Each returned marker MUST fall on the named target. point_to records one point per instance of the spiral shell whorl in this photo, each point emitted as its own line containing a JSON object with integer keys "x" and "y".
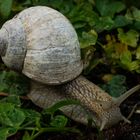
{"x": 15, "y": 50}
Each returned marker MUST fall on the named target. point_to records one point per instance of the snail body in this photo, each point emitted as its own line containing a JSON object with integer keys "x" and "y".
{"x": 96, "y": 104}
{"x": 42, "y": 44}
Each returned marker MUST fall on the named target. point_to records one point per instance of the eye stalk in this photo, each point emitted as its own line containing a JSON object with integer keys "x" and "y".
{"x": 110, "y": 113}
{"x": 124, "y": 96}
{"x": 113, "y": 115}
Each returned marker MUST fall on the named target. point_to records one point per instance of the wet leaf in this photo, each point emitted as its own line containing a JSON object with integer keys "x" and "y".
{"x": 88, "y": 39}
{"x": 138, "y": 53}
{"x": 137, "y": 25}
{"x": 59, "y": 121}
{"x": 14, "y": 99}
{"x": 26, "y": 136}
{"x": 121, "y": 21}
{"x": 11, "y": 116}
{"x": 31, "y": 115}
{"x": 4, "y": 132}
{"x": 116, "y": 86}
{"x": 126, "y": 57}
{"x": 129, "y": 38}
{"x": 134, "y": 65}
{"x": 5, "y": 8}
{"x": 14, "y": 83}
{"x": 136, "y": 13}
{"x": 104, "y": 23}
{"x": 109, "y": 8}
{"x": 60, "y": 104}
{"x": 127, "y": 63}
{"x": 91, "y": 65}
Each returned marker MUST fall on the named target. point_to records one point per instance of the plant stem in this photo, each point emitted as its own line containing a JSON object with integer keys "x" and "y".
{"x": 124, "y": 96}
{"x": 52, "y": 129}
{"x": 21, "y": 97}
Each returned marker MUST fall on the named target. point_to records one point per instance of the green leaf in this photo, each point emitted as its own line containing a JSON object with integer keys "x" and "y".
{"x": 115, "y": 87}
{"x": 11, "y": 116}
{"x": 109, "y": 8}
{"x": 138, "y": 53}
{"x": 127, "y": 63}
{"x": 5, "y": 8}
{"x": 134, "y": 65}
{"x": 4, "y": 87}
{"x": 12, "y": 99}
{"x": 31, "y": 115}
{"x": 54, "y": 3}
{"x": 138, "y": 70}
{"x": 26, "y": 136}
{"x": 59, "y": 121}
{"x": 88, "y": 39}
{"x": 78, "y": 25}
{"x": 92, "y": 65}
{"x": 121, "y": 21}
{"x": 12, "y": 82}
{"x": 82, "y": 14}
{"x": 117, "y": 79}
{"x": 58, "y": 105}
{"x": 4, "y": 132}
{"x": 136, "y": 25}
{"x": 104, "y": 23}
{"x": 129, "y": 38}
{"x": 129, "y": 15}
{"x": 126, "y": 57}
{"x": 117, "y": 90}
{"x": 136, "y": 13}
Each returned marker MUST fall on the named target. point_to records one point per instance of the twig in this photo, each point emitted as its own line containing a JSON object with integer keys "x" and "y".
{"x": 132, "y": 111}
{"x": 21, "y": 97}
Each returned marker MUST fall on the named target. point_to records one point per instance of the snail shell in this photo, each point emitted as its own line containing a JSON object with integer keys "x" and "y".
{"x": 40, "y": 47}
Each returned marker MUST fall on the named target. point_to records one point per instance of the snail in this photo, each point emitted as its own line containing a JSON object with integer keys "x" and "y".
{"x": 42, "y": 44}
